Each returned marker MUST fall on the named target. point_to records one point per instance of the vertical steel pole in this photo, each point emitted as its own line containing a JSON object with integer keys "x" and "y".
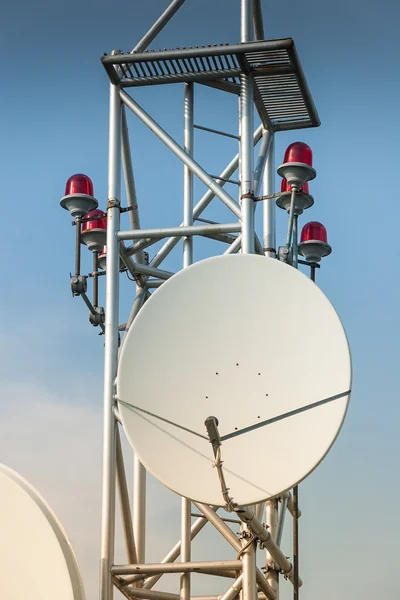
{"x": 188, "y": 175}
{"x": 295, "y": 249}
{"x": 111, "y": 346}
{"x": 185, "y": 546}
{"x": 271, "y": 518}
{"x": 139, "y": 508}
{"x": 296, "y": 543}
{"x": 78, "y": 225}
{"x": 95, "y": 278}
{"x": 246, "y": 118}
{"x": 249, "y": 588}
{"x": 269, "y": 206}
{"x": 188, "y": 121}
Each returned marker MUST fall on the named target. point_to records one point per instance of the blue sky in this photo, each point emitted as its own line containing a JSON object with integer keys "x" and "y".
{"x": 54, "y": 122}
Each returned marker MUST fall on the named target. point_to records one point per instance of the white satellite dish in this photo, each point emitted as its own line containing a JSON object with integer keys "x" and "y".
{"x": 246, "y": 339}
{"x": 36, "y": 558}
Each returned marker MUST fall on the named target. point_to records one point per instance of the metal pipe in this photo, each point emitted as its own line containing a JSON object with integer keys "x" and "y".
{"x": 218, "y": 523}
{"x": 291, "y": 217}
{"x": 235, "y": 246}
{"x": 312, "y": 273}
{"x": 290, "y": 504}
{"x": 141, "y": 245}
{"x": 261, "y": 596}
{"x": 233, "y": 181}
{"x": 248, "y": 517}
{"x": 139, "y": 508}
{"x": 188, "y": 144}
{"x": 124, "y": 502}
{"x": 183, "y": 231}
{"x": 203, "y": 203}
{"x": 183, "y": 567}
{"x": 234, "y": 590}
{"x": 281, "y": 522}
{"x": 135, "y": 268}
{"x": 249, "y": 588}
{"x": 230, "y": 537}
{"x": 142, "y": 593}
{"x": 246, "y": 119}
{"x": 258, "y": 20}
{"x": 259, "y": 511}
{"x": 111, "y": 348}
{"x": 185, "y": 547}
{"x": 269, "y": 206}
{"x": 263, "y": 154}
{"x": 154, "y": 283}
{"x": 295, "y": 248}
{"x": 157, "y": 26}
{"x": 95, "y": 279}
{"x": 226, "y": 573}
{"x": 225, "y": 520}
{"x": 78, "y": 225}
{"x": 141, "y": 295}
{"x": 271, "y": 519}
{"x": 131, "y": 197}
{"x": 296, "y": 543}
{"x": 91, "y": 308}
{"x": 223, "y": 50}
{"x": 173, "y": 554}
{"x": 180, "y": 153}
{"x": 217, "y": 131}
{"x": 264, "y": 586}
{"x": 225, "y": 238}
{"x": 188, "y": 175}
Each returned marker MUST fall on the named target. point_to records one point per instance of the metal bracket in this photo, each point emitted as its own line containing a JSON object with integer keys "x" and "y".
{"x": 285, "y": 255}
{"x": 78, "y": 284}
{"x": 97, "y": 317}
{"x": 113, "y": 203}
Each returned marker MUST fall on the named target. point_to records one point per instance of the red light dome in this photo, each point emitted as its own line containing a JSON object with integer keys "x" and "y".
{"x": 314, "y": 242}
{"x": 297, "y": 165}
{"x": 79, "y": 184}
{"x": 314, "y": 231}
{"x": 298, "y": 152}
{"x": 78, "y": 199}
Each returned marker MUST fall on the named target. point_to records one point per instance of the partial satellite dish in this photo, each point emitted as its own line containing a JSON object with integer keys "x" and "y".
{"x": 252, "y": 342}
{"x": 36, "y": 558}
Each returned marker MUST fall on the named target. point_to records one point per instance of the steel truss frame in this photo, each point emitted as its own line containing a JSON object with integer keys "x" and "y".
{"x": 136, "y": 578}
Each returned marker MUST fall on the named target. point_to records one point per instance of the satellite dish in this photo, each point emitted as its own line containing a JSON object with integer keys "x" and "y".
{"x": 252, "y": 342}
{"x": 36, "y": 558}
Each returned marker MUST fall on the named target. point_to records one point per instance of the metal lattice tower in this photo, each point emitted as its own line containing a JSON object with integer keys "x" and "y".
{"x": 267, "y": 75}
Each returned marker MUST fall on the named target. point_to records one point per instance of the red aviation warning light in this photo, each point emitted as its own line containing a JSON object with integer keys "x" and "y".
{"x": 79, "y": 197}
{"x": 299, "y": 152}
{"x": 79, "y": 184}
{"x": 94, "y": 230}
{"x": 297, "y": 166}
{"x": 303, "y": 199}
{"x": 314, "y": 242}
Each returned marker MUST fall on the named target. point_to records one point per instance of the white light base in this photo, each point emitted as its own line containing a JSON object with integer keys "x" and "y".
{"x": 314, "y": 250}
{"x": 302, "y": 202}
{"x": 296, "y": 173}
{"x": 78, "y": 204}
{"x": 94, "y": 239}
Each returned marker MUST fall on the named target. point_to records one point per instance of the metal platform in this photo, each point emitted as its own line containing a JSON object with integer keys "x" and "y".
{"x": 281, "y": 93}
